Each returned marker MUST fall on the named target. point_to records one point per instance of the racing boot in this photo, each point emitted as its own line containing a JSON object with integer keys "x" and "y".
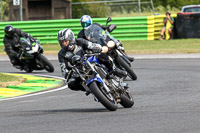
{"x": 120, "y": 73}
{"x": 18, "y": 67}
{"x": 131, "y": 59}
{"x": 110, "y": 76}
{"x": 28, "y": 69}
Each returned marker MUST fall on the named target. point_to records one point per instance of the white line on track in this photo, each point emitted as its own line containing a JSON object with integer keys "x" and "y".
{"x": 39, "y": 93}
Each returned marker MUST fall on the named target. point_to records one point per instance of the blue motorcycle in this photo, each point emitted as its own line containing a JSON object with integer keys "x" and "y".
{"x": 93, "y": 75}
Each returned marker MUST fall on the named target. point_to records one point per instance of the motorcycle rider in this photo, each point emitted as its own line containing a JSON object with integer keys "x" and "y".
{"x": 11, "y": 43}
{"x": 86, "y": 21}
{"x": 70, "y": 47}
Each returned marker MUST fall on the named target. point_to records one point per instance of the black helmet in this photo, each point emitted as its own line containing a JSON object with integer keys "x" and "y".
{"x": 9, "y": 30}
{"x": 66, "y": 34}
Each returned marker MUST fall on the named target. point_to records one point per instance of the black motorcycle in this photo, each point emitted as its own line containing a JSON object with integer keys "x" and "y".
{"x": 31, "y": 56}
{"x": 93, "y": 76}
{"x": 96, "y": 34}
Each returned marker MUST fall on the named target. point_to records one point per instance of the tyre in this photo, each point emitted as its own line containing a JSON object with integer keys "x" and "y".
{"x": 130, "y": 72}
{"x": 105, "y": 99}
{"x": 47, "y": 65}
{"x": 126, "y": 100}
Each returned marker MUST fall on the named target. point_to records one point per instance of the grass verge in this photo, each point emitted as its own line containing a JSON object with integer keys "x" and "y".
{"x": 163, "y": 47}
{"x": 6, "y": 80}
{"x": 144, "y": 46}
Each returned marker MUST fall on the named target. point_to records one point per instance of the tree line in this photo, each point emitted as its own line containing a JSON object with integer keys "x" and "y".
{"x": 175, "y": 3}
{"x": 99, "y": 10}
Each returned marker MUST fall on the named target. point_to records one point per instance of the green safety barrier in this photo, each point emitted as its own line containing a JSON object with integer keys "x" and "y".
{"x": 128, "y": 28}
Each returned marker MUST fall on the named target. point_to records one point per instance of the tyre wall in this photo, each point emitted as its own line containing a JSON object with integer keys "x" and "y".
{"x": 188, "y": 25}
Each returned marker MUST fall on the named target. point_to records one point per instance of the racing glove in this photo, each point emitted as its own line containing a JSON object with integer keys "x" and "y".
{"x": 95, "y": 47}
{"x": 30, "y": 37}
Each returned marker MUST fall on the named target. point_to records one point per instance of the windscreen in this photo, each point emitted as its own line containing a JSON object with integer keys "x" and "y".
{"x": 24, "y": 42}
{"x": 94, "y": 34}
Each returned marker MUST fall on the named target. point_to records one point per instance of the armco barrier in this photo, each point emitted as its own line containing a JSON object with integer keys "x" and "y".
{"x": 128, "y": 28}
{"x": 188, "y": 25}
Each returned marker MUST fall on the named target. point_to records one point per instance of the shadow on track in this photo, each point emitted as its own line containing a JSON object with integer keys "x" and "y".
{"x": 73, "y": 110}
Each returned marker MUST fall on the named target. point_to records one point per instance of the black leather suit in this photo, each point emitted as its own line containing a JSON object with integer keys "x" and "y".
{"x": 64, "y": 58}
{"x": 103, "y": 58}
{"x": 12, "y": 45}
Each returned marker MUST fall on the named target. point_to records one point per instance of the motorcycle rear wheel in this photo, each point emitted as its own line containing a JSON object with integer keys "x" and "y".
{"x": 106, "y": 100}
{"x": 126, "y": 100}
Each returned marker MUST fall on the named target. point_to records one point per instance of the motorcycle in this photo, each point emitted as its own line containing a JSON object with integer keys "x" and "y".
{"x": 96, "y": 34}
{"x": 93, "y": 75}
{"x": 31, "y": 56}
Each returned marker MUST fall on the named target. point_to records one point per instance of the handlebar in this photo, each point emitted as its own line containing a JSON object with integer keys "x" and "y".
{"x": 91, "y": 54}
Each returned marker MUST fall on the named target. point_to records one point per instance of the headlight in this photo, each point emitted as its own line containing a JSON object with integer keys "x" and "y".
{"x": 28, "y": 48}
{"x": 111, "y": 44}
{"x": 35, "y": 48}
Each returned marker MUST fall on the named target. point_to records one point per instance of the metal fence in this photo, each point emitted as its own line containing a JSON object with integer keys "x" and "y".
{"x": 119, "y": 4}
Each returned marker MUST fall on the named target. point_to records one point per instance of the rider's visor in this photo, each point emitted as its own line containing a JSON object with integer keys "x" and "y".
{"x": 85, "y": 24}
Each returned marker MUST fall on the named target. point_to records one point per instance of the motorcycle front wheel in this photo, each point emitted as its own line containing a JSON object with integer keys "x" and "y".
{"x": 130, "y": 72}
{"x": 106, "y": 99}
{"x": 47, "y": 65}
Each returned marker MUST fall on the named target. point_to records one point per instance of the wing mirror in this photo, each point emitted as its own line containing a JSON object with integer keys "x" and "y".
{"x": 108, "y": 20}
{"x": 111, "y": 27}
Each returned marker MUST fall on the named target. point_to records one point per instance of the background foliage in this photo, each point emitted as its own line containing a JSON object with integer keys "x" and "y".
{"x": 175, "y": 3}
{"x": 126, "y": 10}
{"x": 4, "y": 10}
{"x": 95, "y": 10}
{"x": 123, "y": 10}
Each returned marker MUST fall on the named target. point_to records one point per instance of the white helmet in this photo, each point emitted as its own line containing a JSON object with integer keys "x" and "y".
{"x": 86, "y": 21}
{"x": 66, "y": 34}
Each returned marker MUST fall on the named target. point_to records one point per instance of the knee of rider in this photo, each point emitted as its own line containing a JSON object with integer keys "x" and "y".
{"x": 75, "y": 87}
{"x": 14, "y": 62}
{"x": 71, "y": 81}
{"x": 71, "y": 84}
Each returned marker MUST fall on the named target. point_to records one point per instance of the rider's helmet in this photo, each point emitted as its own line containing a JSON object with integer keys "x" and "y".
{"x": 66, "y": 34}
{"x": 9, "y": 30}
{"x": 86, "y": 21}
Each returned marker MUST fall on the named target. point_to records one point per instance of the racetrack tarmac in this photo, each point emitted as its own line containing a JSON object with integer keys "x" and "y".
{"x": 166, "y": 94}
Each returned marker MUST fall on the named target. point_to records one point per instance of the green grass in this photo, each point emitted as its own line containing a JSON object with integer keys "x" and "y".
{"x": 6, "y": 78}
{"x": 144, "y": 46}
{"x": 164, "y": 46}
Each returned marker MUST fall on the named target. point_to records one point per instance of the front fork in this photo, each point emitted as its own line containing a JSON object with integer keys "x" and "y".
{"x": 124, "y": 57}
{"x": 98, "y": 78}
